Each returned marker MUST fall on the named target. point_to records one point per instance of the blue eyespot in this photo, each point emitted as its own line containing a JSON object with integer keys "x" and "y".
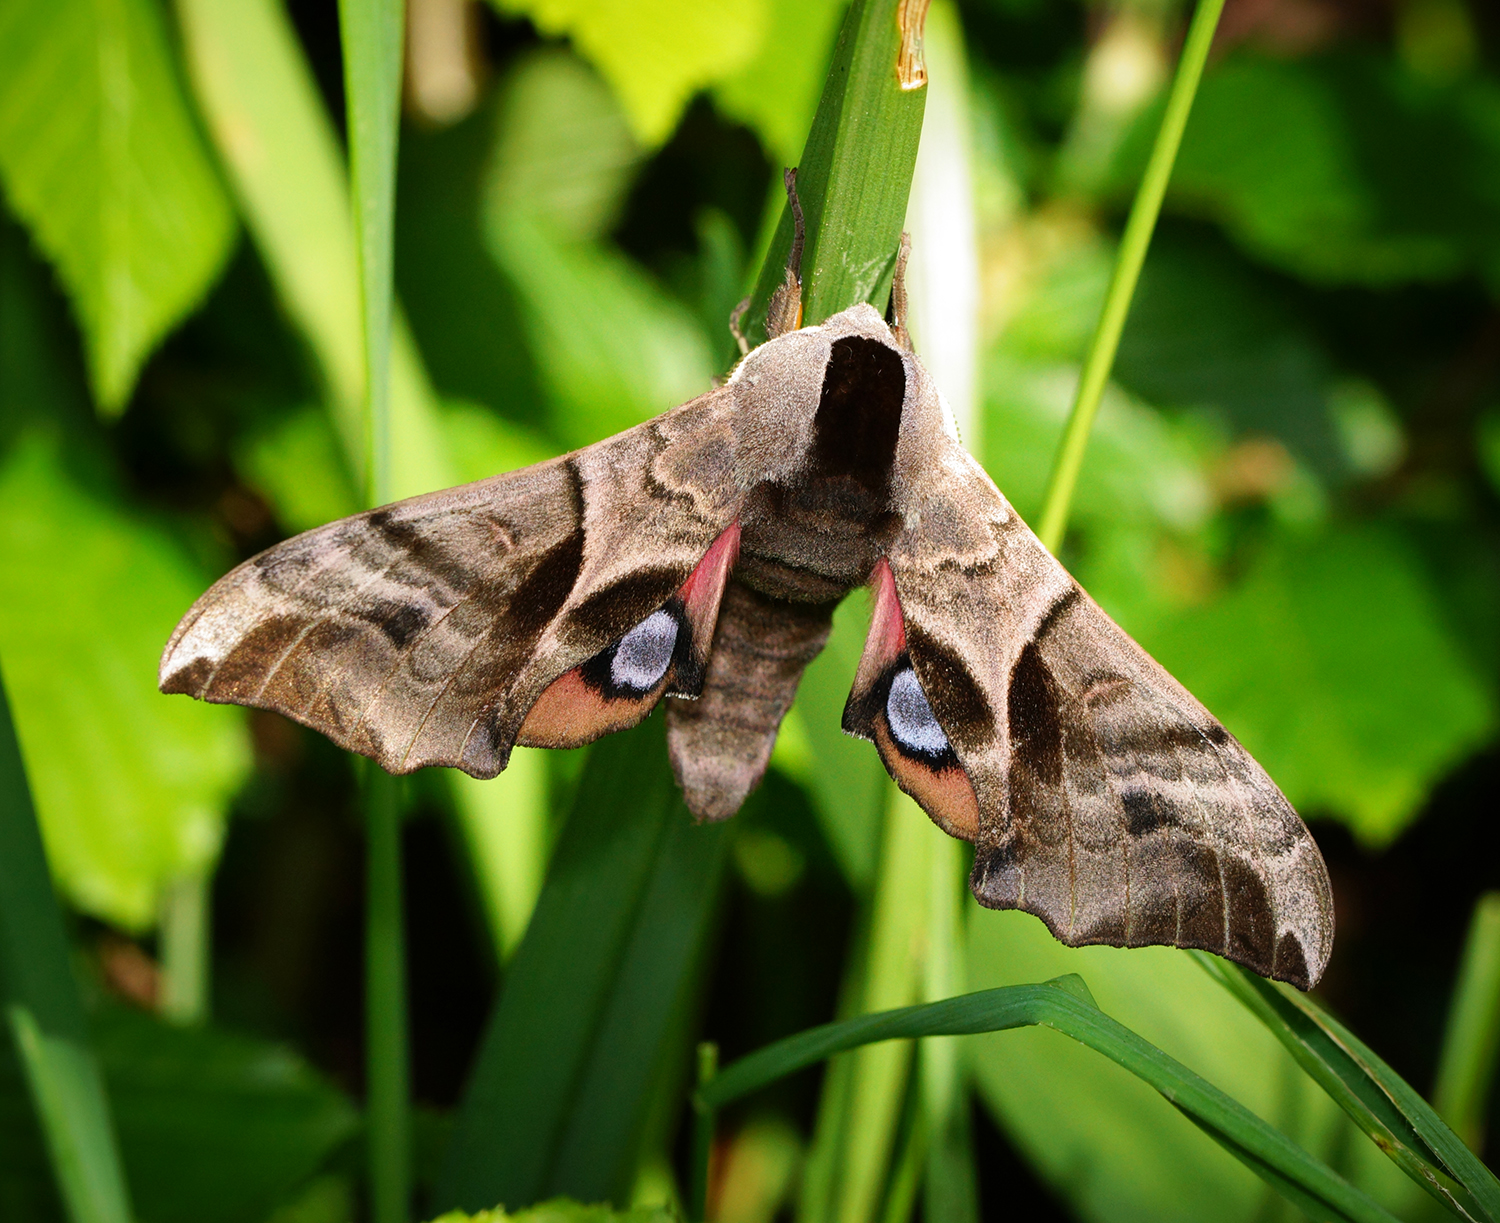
{"x": 645, "y": 653}
{"x": 911, "y": 719}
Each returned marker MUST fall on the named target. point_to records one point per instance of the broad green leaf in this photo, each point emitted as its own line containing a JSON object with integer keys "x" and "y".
{"x": 775, "y": 91}
{"x": 655, "y": 54}
{"x": 1343, "y": 169}
{"x": 558, "y": 1096}
{"x": 562, "y": 1210}
{"x": 1342, "y": 679}
{"x": 88, "y": 596}
{"x": 44, "y": 1031}
{"x": 214, "y": 1127}
{"x": 281, "y": 154}
{"x": 100, "y": 157}
{"x": 612, "y": 349}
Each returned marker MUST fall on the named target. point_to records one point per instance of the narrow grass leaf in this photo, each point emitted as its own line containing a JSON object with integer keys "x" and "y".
{"x": 1064, "y": 1005}
{"x": 261, "y": 105}
{"x": 43, "y": 1011}
{"x": 1466, "y": 1066}
{"x": 855, "y": 172}
{"x": 1137, "y": 237}
{"x": 1381, "y": 1103}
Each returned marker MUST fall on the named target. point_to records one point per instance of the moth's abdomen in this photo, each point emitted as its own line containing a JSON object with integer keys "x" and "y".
{"x": 720, "y": 743}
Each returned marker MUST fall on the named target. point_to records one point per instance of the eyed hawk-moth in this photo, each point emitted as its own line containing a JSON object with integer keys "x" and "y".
{"x": 696, "y": 559}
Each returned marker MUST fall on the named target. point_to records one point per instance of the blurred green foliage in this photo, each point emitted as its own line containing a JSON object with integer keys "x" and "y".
{"x": 1290, "y": 498}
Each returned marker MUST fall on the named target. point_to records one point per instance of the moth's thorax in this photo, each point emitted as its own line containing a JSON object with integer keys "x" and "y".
{"x": 812, "y": 533}
{"x": 810, "y": 543}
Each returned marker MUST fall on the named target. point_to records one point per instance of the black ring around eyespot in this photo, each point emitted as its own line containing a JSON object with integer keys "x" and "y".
{"x": 598, "y": 671}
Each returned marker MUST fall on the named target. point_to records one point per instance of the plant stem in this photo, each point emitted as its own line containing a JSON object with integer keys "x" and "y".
{"x": 704, "y": 1119}
{"x": 387, "y": 1091}
{"x": 371, "y": 32}
{"x": 185, "y": 946}
{"x": 1133, "y": 244}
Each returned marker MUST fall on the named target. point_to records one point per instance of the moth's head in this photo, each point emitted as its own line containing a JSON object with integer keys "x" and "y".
{"x": 843, "y": 390}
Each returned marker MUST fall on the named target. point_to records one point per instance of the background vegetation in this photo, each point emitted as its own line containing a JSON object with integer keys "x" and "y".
{"x": 1290, "y": 499}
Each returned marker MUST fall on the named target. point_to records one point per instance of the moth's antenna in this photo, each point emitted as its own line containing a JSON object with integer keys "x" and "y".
{"x": 895, "y": 314}
{"x": 735, "y": 316}
{"x": 785, "y": 311}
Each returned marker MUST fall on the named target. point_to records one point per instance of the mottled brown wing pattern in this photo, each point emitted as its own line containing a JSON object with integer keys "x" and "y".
{"x": 423, "y": 633}
{"x": 1111, "y": 804}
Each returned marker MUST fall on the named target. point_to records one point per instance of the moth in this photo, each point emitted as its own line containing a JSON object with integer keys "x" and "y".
{"x": 696, "y": 561}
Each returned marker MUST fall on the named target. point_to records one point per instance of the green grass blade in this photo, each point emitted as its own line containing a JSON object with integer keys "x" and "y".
{"x": 44, "y": 1013}
{"x": 1466, "y": 1067}
{"x": 281, "y": 154}
{"x": 1065, "y": 1005}
{"x": 854, "y": 175}
{"x": 371, "y": 34}
{"x": 564, "y": 1077}
{"x": 1380, "y": 1102}
{"x": 1137, "y": 237}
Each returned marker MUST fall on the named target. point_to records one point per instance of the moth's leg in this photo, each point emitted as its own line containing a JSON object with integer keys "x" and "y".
{"x": 895, "y": 314}
{"x": 785, "y": 311}
{"x": 721, "y": 742}
{"x": 735, "y": 316}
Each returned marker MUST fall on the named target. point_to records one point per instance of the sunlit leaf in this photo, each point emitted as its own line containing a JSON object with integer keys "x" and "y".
{"x": 654, "y": 53}
{"x": 130, "y": 788}
{"x": 57, "y": 1106}
{"x": 100, "y": 157}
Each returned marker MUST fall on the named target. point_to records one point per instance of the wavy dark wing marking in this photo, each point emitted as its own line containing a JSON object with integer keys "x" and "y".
{"x": 1111, "y": 804}
{"x": 422, "y": 633}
